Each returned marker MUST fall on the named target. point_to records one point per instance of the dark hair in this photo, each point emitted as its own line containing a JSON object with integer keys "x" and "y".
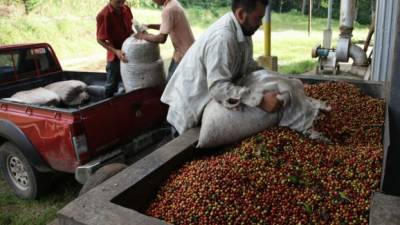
{"x": 247, "y": 5}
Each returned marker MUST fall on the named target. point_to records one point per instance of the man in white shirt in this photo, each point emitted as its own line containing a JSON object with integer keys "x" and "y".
{"x": 221, "y": 56}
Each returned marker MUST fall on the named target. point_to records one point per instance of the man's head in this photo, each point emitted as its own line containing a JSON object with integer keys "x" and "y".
{"x": 117, "y": 4}
{"x": 249, "y": 14}
{"x": 159, "y": 2}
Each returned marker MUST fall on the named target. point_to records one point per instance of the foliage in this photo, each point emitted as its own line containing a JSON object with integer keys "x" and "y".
{"x": 70, "y": 26}
{"x": 320, "y": 8}
{"x": 142, "y": 3}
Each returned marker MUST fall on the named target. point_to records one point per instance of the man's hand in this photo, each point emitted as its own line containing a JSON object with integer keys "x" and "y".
{"x": 140, "y": 36}
{"x": 270, "y": 102}
{"x": 121, "y": 56}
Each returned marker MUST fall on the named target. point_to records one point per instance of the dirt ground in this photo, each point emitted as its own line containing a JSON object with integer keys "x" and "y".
{"x": 94, "y": 63}
{"x": 91, "y": 63}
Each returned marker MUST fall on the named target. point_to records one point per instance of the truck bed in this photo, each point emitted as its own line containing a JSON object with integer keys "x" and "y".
{"x": 105, "y": 122}
{"x": 95, "y": 82}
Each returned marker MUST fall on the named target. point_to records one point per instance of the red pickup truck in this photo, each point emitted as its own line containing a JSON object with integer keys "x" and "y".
{"x": 37, "y": 140}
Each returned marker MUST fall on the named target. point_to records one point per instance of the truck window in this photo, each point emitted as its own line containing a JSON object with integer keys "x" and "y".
{"x": 7, "y": 72}
{"x": 25, "y": 64}
{"x": 45, "y": 60}
{"x": 32, "y": 58}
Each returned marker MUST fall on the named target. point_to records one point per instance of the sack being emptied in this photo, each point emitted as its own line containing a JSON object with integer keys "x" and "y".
{"x": 221, "y": 126}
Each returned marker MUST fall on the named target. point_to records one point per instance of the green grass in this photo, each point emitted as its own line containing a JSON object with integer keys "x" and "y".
{"x": 69, "y": 26}
{"x": 14, "y": 211}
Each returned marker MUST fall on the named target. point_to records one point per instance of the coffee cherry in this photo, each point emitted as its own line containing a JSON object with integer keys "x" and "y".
{"x": 279, "y": 176}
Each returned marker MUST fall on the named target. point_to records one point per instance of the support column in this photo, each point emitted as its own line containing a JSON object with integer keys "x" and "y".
{"x": 387, "y": 68}
{"x": 268, "y": 61}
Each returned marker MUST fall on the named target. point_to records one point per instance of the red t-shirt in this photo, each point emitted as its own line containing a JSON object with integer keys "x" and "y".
{"x": 114, "y": 27}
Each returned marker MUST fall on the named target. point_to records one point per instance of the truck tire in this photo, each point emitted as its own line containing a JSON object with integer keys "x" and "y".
{"x": 102, "y": 175}
{"x": 23, "y": 179}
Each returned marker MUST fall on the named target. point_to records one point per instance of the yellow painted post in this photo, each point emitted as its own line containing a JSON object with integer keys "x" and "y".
{"x": 268, "y": 61}
{"x": 267, "y": 32}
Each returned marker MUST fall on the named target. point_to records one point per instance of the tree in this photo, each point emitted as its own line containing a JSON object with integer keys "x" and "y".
{"x": 30, "y": 5}
{"x": 303, "y": 7}
{"x": 281, "y": 5}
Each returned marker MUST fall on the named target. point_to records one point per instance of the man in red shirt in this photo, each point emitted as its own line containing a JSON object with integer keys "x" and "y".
{"x": 114, "y": 25}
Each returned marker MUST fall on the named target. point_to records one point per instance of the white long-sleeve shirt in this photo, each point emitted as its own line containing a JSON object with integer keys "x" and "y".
{"x": 209, "y": 69}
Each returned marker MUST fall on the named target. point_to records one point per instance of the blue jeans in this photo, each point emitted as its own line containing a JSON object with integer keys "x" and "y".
{"x": 113, "y": 78}
{"x": 171, "y": 69}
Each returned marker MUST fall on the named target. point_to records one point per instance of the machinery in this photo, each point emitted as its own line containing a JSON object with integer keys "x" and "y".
{"x": 329, "y": 58}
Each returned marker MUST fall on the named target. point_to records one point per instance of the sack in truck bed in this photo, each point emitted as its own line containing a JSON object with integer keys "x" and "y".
{"x": 39, "y": 96}
{"x": 71, "y": 92}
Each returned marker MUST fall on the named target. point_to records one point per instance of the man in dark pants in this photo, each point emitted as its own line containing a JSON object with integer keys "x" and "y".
{"x": 114, "y": 25}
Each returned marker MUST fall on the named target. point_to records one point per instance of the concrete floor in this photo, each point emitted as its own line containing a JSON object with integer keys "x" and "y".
{"x": 385, "y": 210}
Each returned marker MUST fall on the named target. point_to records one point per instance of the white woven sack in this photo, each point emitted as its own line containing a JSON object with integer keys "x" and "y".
{"x": 221, "y": 126}
{"x": 140, "y": 51}
{"x": 81, "y": 98}
{"x": 39, "y": 96}
{"x": 144, "y": 67}
{"x": 138, "y": 76}
{"x": 299, "y": 111}
{"x": 68, "y": 90}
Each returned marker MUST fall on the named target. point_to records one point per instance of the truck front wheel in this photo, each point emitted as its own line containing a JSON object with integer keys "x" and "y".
{"x": 23, "y": 179}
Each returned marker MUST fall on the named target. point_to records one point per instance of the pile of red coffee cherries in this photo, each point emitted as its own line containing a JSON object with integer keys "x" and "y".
{"x": 279, "y": 176}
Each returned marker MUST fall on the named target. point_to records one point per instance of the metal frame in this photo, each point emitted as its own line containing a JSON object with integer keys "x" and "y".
{"x": 385, "y": 35}
{"x": 387, "y": 67}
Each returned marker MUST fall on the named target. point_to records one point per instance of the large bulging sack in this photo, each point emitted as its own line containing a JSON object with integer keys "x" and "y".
{"x": 39, "y": 96}
{"x": 140, "y": 51}
{"x": 299, "y": 111}
{"x": 68, "y": 90}
{"x": 144, "y": 68}
{"x": 222, "y": 126}
{"x": 144, "y": 75}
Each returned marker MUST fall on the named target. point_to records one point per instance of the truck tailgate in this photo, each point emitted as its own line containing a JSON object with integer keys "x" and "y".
{"x": 121, "y": 118}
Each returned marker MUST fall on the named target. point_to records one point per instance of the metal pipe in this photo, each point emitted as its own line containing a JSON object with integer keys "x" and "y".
{"x": 358, "y": 55}
{"x": 329, "y": 25}
{"x": 327, "y": 40}
{"x": 347, "y": 11}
